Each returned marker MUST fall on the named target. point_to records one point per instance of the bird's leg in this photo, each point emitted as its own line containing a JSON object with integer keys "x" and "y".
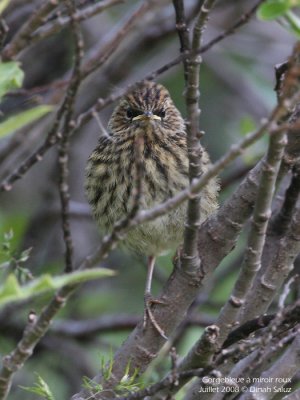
{"x": 149, "y": 299}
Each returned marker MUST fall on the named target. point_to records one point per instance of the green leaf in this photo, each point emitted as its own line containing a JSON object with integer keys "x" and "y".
{"x": 3, "y": 5}
{"x": 292, "y": 23}
{"x": 11, "y": 288}
{"x": 25, "y": 255}
{"x": 12, "y": 291}
{"x": 81, "y": 276}
{"x": 18, "y": 121}
{"x": 41, "y": 388}
{"x": 273, "y": 9}
{"x": 11, "y": 77}
{"x": 89, "y": 384}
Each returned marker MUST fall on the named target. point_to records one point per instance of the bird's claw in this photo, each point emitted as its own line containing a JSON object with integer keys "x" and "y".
{"x": 149, "y": 300}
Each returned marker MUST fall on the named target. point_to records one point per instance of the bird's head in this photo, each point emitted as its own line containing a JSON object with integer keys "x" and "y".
{"x": 148, "y": 103}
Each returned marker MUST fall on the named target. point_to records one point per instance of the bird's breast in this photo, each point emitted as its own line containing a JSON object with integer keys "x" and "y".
{"x": 112, "y": 175}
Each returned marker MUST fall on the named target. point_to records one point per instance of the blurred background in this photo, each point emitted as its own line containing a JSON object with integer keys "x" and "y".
{"x": 237, "y": 79}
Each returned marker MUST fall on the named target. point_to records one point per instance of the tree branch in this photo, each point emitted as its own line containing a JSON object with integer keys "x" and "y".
{"x": 64, "y": 144}
{"x": 59, "y": 23}
{"x": 22, "y": 38}
{"x": 256, "y": 239}
{"x": 190, "y": 257}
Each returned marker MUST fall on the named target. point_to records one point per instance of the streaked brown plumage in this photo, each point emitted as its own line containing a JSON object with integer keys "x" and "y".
{"x": 149, "y": 112}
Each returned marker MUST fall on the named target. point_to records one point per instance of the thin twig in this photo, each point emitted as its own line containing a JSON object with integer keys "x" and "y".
{"x": 22, "y": 38}
{"x": 64, "y": 143}
{"x": 80, "y": 15}
{"x": 190, "y": 256}
{"x": 183, "y": 32}
{"x": 16, "y": 359}
{"x": 102, "y": 130}
{"x": 286, "y": 291}
{"x": 97, "y": 59}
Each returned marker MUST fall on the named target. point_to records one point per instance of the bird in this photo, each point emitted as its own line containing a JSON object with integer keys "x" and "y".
{"x": 147, "y": 115}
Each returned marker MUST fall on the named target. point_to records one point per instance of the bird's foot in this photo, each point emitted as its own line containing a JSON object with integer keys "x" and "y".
{"x": 148, "y": 315}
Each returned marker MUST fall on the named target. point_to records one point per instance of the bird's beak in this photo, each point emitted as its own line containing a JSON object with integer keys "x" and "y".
{"x": 147, "y": 116}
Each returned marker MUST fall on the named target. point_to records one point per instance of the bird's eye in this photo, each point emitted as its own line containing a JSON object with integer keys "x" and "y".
{"x": 131, "y": 113}
{"x": 160, "y": 113}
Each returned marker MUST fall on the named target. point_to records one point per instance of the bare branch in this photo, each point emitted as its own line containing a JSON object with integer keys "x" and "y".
{"x": 80, "y": 15}
{"x": 33, "y": 334}
{"x": 252, "y": 259}
{"x": 276, "y": 376}
{"x": 63, "y": 149}
{"x": 190, "y": 256}
{"x": 183, "y": 31}
{"x": 266, "y": 285}
{"x": 23, "y": 37}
